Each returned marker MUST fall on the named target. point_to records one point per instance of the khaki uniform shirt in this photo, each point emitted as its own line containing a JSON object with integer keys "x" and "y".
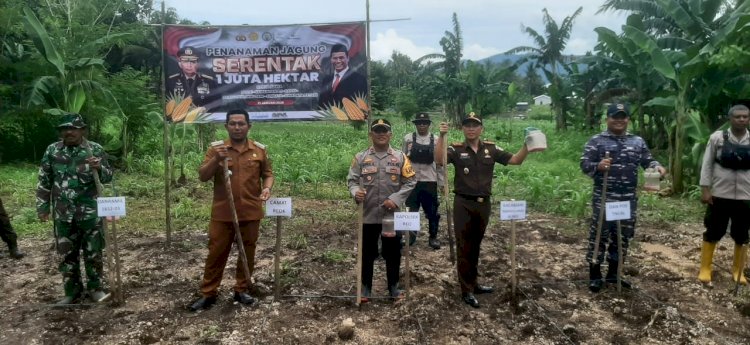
{"x": 724, "y": 183}
{"x": 248, "y": 165}
{"x": 474, "y": 169}
{"x": 384, "y": 175}
{"x": 425, "y": 172}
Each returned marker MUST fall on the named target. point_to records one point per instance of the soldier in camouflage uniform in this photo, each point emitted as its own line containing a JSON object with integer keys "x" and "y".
{"x": 8, "y": 235}
{"x": 66, "y": 176}
{"x": 627, "y": 152}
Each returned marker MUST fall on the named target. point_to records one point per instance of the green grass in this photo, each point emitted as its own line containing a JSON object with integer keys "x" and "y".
{"x": 311, "y": 161}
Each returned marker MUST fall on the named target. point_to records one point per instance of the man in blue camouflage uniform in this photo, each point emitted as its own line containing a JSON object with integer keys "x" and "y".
{"x": 66, "y": 176}
{"x": 627, "y": 152}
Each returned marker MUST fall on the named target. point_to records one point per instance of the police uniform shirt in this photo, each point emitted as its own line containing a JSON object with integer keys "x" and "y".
{"x": 474, "y": 170}
{"x": 384, "y": 175}
{"x": 724, "y": 183}
{"x": 425, "y": 172}
{"x": 199, "y": 87}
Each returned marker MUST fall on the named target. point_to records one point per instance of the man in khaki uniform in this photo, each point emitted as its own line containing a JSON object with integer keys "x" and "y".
{"x": 382, "y": 178}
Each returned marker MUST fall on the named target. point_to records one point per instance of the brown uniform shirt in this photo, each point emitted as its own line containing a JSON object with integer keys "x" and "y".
{"x": 248, "y": 166}
{"x": 474, "y": 169}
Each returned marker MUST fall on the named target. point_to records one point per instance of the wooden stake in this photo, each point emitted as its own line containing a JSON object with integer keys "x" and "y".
{"x": 619, "y": 257}
{"x": 407, "y": 275}
{"x": 276, "y": 263}
{"x": 118, "y": 293}
{"x": 602, "y": 205}
{"x": 232, "y": 207}
{"x": 359, "y": 250}
{"x": 513, "y": 278}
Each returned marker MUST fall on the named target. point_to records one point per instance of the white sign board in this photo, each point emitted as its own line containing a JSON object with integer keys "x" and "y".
{"x": 279, "y": 207}
{"x": 110, "y": 206}
{"x": 618, "y": 210}
{"x": 406, "y": 221}
{"x": 513, "y": 210}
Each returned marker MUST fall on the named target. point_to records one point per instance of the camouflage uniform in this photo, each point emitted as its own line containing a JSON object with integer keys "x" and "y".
{"x": 627, "y": 152}
{"x": 65, "y": 176}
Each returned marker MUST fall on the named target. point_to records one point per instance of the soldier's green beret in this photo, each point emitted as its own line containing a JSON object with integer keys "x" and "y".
{"x": 72, "y": 120}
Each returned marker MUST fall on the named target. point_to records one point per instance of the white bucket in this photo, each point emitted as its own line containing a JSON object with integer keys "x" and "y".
{"x": 536, "y": 141}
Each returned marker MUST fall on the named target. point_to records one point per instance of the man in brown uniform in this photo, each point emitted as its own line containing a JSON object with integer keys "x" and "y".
{"x": 382, "y": 178}
{"x": 251, "y": 180}
{"x": 474, "y": 161}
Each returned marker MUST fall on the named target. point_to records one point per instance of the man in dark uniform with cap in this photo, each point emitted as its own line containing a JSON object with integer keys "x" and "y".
{"x": 474, "y": 161}
{"x": 626, "y": 153}
{"x": 419, "y": 146}
{"x": 189, "y": 82}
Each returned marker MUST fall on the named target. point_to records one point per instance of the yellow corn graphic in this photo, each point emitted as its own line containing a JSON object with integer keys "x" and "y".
{"x": 362, "y": 104}
{"x": 193, "y": 114}
{"x": 352, "y": 110}
{"x": 170, "y": 108}
{"x": 340, "y": 114}
{"x": 181, "y": 110}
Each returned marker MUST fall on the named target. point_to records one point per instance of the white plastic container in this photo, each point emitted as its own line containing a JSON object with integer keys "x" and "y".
{"x": 652, "y": 181}
{"x": 536, "y": 141}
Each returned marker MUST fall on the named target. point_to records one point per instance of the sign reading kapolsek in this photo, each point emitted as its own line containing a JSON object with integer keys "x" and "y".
{"x": 285, "y": 72}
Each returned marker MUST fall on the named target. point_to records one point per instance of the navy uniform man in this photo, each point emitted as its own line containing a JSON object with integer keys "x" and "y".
{"x": 627, "y": 152}
{"x": 474, "y": 160}
{"x": 419, "y": 146}
{"x": 381, "y": 177}
{"x": 725, "y": 189}
{"x": 189, "y": 82}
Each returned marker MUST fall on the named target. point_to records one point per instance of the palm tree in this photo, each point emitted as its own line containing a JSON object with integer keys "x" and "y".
{"x": 547, "y": 55}
{"x": 454, "y": 90}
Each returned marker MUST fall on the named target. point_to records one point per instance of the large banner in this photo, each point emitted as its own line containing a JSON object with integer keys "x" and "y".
{"x": 286, "y": 72}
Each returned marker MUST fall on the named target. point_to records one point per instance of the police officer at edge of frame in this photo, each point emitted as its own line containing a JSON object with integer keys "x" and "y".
{"x": 725, "y": 189}
{"x": 474, "y": 161}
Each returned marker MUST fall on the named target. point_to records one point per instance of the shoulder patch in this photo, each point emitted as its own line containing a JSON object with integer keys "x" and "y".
{"x": 174, "y": 75}
{"x": 261, "y": 146}
{"x": 207, "y": 76}
{"x": 487, "y": 142}
{"x": 457, "y": 144}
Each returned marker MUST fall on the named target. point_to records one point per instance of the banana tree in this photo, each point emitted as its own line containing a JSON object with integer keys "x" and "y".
{"x": 683, "y": 67}
{"x": 74, "y": 79}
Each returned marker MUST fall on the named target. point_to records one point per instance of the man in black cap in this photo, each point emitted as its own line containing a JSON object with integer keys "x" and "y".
{"x": 66, "y": 177}
{"x": 474, "y": 160}
{"x": 626, "y": 153}
{"x": 381, "y": 177}
{"x": 8, "y": 235}
{"x": 419, "y": 146}
{"x": 189, "y": 82}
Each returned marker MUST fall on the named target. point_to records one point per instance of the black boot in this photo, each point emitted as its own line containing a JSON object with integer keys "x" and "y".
{"x": 595, "y": 277}
{"x": 14, "y": 252}
{"x": 612, "y": 275}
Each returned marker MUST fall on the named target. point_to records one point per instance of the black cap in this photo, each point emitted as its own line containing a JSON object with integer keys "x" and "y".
{"x": 421, "y": 117}
{"x": 380, "y": 123}
{"x": 187, "y": 53}
{"x": 617, "y": 108}
{"x": 471, "y": 118}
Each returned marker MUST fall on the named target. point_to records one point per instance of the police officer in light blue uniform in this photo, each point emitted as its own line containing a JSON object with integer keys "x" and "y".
{"x": 626, "y": 153}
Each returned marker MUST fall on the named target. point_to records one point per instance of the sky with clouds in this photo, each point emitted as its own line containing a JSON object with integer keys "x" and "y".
{"x": 489, "y": 26}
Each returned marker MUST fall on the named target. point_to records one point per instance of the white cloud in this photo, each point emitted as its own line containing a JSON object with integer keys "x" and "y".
{"x": 477, "y": 52}
{"x": 384, "y": 44}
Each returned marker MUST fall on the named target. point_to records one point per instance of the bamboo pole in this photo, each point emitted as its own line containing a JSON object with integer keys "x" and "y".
{"x": 513, "y": 277}
{"x": 167, "y": 165}
{"x": 619, "y": 257}
{"x": 235, "y": 221}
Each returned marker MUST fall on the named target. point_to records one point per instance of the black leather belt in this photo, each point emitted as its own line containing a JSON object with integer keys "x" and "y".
{"x": 474, "y": 198}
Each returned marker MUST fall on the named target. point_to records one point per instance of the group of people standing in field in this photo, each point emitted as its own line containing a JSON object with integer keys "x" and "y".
{"x": 384, "y": 179}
